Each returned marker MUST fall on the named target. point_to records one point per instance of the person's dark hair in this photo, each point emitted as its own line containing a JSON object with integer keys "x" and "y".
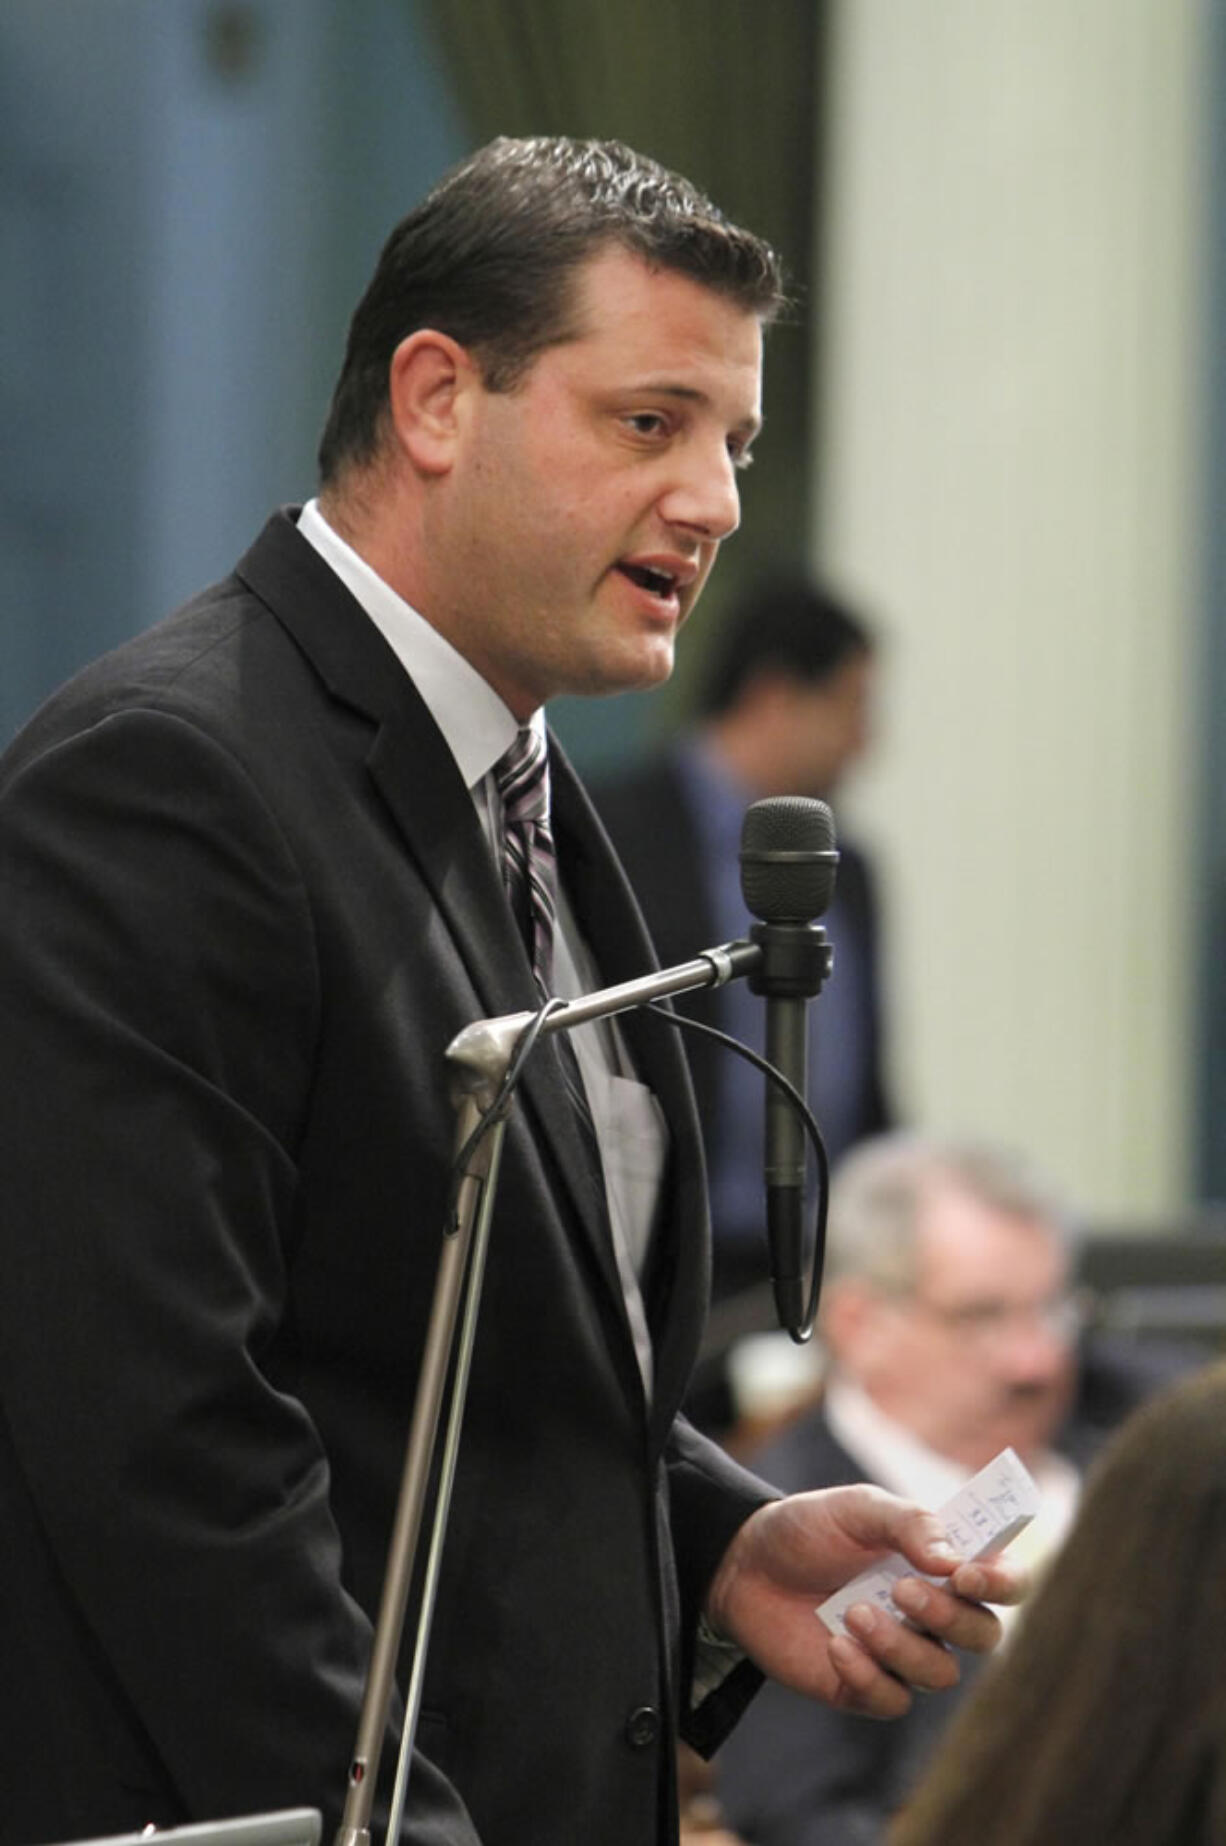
{"x": 788, "y": 625}
{"x": 489, "y": 255}
{"x": 1105, "y": 1719}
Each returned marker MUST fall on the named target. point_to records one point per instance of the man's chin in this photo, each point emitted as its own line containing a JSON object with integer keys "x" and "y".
{"x": 1028, "y": 1442}
{"x": 639, "y": 671}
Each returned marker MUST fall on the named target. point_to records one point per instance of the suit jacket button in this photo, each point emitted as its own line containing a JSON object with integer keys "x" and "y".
{"x": 642, "y": 1727}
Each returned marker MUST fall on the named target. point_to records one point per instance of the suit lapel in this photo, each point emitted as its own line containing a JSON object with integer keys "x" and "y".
{"x": 415, "y": 773}
{"x": 678, "y": 1280}
{"x": 446, "y": 840}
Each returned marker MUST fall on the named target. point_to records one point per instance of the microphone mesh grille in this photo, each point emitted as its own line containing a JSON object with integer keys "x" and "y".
{"x": 788, "y": 858}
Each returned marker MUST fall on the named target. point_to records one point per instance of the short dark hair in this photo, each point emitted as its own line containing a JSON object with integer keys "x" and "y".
{"x": 489, "y": 254}
{"x": 788, "y": 625}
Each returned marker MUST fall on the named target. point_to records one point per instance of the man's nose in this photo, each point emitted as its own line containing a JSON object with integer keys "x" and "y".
{"x": 705, "y": 497}
{"x": 1031, "y": 1348}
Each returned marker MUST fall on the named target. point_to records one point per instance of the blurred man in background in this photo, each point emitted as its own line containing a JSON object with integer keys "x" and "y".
{"x": 951, "y": 1329}
{"x": 784, "y": 710}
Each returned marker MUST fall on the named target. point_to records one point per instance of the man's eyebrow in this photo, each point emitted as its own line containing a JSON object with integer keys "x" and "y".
{"x": 750, "y": 426}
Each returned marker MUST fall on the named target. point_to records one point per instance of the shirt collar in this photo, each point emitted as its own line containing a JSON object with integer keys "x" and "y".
{"x": 898, "y": 1460}
{"x": 717, "y": 787}
{"x": 475, "y": 722}
{"x": 890, "y": 1454}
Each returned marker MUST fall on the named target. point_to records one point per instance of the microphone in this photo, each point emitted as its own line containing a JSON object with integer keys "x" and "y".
{"x": 789, "y": 861}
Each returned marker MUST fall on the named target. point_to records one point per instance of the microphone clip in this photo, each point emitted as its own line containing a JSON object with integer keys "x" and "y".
{"x": 796, "y": 959}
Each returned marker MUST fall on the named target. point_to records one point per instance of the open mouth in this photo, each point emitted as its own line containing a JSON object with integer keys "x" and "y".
{"x": 657, "y": 582}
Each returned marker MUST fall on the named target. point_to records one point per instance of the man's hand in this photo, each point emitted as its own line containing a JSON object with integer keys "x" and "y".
{"x": 793, "y": 1553}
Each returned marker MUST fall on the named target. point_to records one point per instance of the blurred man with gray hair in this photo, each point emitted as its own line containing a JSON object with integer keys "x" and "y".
{"x": 951, "y": 1327}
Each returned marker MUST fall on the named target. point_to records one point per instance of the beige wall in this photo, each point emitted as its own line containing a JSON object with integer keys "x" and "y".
{"x": 1007, "y": 476}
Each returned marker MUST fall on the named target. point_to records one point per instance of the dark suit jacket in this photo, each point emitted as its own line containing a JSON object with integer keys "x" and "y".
{"x": 649, "y": 818}
{"x": 245, "y": 904}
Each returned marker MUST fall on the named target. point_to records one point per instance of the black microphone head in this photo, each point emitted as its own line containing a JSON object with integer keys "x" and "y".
{"x": 788, "y": 859}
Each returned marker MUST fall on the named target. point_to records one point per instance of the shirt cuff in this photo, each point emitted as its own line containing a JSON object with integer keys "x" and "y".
{"x": 715, "y": 1658}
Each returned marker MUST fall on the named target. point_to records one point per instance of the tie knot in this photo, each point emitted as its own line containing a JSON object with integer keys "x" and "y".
{"x": 522, "y": 775}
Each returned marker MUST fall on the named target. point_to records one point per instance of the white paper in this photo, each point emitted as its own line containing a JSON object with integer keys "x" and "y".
{"x": 984, "y": 1516}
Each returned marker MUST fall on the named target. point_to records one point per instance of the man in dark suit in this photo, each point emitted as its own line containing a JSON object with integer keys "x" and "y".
{"x": 257, "y": 870}
{"x": 951, "y": 1327}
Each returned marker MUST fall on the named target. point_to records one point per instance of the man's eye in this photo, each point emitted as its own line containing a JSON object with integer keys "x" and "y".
{"x": 742, "y": 455}
{"x": 980, "y": 1316}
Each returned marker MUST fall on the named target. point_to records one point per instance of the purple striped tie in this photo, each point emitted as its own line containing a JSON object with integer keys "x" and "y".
{"x": 529, "y": 862}
{"x": 530, "y": 870}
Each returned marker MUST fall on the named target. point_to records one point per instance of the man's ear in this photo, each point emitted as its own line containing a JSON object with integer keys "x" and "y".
{"x": 851, "y": 1319}
{"x": 769, "y": 693}
{"x": 429, "y": 377}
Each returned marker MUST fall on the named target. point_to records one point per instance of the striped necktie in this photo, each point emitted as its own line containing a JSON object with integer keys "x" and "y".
{"x": 530, "y": 871}
{"x": 529, "y": 861}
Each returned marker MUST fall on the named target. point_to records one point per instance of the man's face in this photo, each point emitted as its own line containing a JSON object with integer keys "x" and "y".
{"x": 829, "y": 723}
{"x": 586, "y": 506}
{"x": 980, "y": 1355}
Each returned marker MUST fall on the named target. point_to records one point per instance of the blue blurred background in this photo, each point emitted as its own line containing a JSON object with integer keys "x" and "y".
{"x": 1003, "y": 224}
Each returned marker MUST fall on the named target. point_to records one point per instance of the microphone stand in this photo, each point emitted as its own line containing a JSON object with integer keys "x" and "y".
{"x": 478, "y": 1060}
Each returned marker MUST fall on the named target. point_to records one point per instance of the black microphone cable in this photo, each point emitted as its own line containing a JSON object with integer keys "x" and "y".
{"x": 800, "y": 1331}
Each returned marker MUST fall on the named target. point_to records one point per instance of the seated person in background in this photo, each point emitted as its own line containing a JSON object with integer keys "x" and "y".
{"x": 784, "y": 709}
{"x": 951, "y": 1332}
{"x": 1106, "y": 1724}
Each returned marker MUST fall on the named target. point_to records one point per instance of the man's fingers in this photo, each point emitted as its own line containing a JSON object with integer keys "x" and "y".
{"x": 949, "y": 1617}
{"x": 865, "y": 1687}
{"x": 919, "y": 1660}
{"x": 992, "y": 1580}
{"x": 911, "y": 1660}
